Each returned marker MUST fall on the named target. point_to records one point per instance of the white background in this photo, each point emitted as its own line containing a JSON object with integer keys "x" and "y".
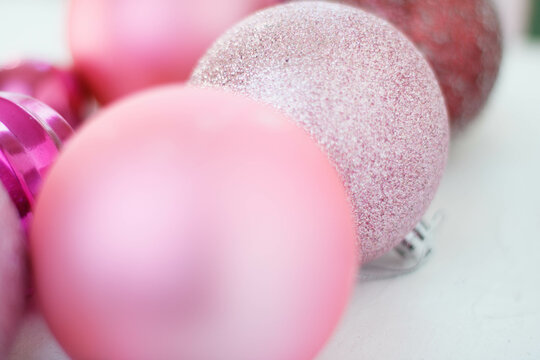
{"x": 479, "y": 296}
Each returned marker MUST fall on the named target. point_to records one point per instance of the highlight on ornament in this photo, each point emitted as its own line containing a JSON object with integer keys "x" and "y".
{"x": 31, "y": 135}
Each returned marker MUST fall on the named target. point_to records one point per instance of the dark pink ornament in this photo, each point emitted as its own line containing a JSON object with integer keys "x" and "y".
{"x": 59, "y": 88}
{"x": 31, "y": 134}
{"x": 461, "y": 40}
{"x": 12, "y": 271}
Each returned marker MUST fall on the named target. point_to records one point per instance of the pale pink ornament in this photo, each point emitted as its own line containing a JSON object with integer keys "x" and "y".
{"x": 192, "y": 224}
{"x": 361, "y": 89}
{"x": 12, "y": 271}
{"x": 121, "y": 46}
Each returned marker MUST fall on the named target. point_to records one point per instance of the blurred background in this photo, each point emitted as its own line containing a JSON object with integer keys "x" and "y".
{"x": 478, "y": 297}
{"x": 36, "y": 28}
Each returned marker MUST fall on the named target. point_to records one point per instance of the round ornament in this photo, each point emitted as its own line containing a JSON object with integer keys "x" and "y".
{"x": 12, "y": 272}
{"x": 31, "y": 134}
{"x": 192, "y": 224}
{"x": 56, "y": 87}
{"x": 121, "y": 46}
{"x": 461, "y": 40}
{"x": 364, "y": 93}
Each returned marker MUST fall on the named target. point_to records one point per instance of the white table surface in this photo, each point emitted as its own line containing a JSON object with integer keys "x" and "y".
{"x": 479, "y": 295}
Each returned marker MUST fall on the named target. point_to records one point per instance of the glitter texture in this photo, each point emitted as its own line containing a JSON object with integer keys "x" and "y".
{"x": 461, "y": 40}
{"x": 361, "y": 89}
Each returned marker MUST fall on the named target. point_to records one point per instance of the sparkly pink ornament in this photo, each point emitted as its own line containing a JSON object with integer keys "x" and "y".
{"x": 31, "y": 134}
{"x": 56, "y": 87}
{"x": 460, "y": 38}
{"x": 121, "y": 46}
{"x": 364, "y": 93}
{"x": 12, "y": 271}
{"x": 192, "y": 224}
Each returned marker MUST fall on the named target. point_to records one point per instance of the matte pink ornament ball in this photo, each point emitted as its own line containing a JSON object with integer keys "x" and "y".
{"x": 192, "y": 224}
{"x": 121, "y": 46}
{"x": 364, "y": 93}
{"x": 12, "y": 271}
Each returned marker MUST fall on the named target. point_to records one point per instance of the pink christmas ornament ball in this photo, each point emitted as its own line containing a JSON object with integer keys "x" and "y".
{"x": 462, "y": 40}
{"x": 192, "y": 224}
{"x": 121, "y": 46}
{"x": 12, "y": 271}
{"x": 59, "y": 88}
{"x": 364, "y": 93}
{"x": 31, "y": 135}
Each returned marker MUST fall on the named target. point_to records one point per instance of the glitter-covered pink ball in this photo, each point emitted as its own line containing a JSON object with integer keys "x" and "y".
{"x": 57, "y": 87}
{"x": 193, "y": 224}
{"x": 12, "y": 271}
{"x": 361, "y": 89}
{"x": 460, "y": 38}
{"x": 121, "y": 46}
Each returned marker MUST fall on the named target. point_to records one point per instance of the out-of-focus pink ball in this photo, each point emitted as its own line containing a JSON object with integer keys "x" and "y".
{"x": 364, "y": 93}
{"x": 460, "y": 38}
{"x": 192, "y": 224}
{"x": 121, "y": 46}
{"x": 56, "y": 87}
{"x": 31, "y": 135}
{"x": 12, "y": 271}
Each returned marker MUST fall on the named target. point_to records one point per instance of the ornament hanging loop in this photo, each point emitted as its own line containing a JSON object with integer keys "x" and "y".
{"x": 411, "y": 254}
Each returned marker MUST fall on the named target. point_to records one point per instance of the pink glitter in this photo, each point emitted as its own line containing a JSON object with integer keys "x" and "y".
{"x": 361, "y": 89}
{"x": 461, "y": 40}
